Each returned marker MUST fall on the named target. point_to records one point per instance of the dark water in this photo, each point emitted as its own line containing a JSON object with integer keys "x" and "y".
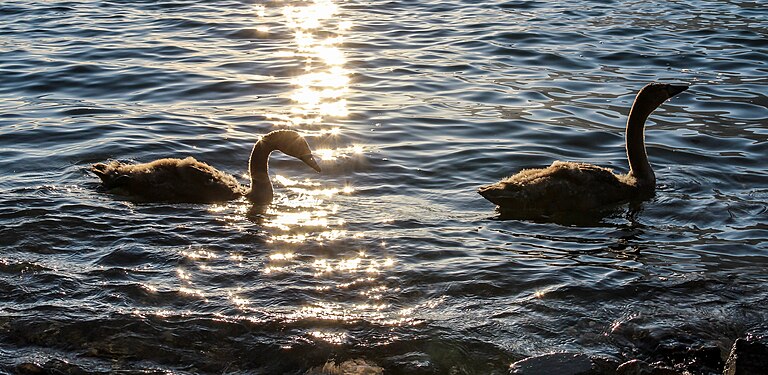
{"x": 389, "y": 255}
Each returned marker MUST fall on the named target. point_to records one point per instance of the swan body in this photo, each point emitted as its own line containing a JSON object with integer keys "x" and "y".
{"x": 192, "y": 181}
{"x": 570, "y": 186}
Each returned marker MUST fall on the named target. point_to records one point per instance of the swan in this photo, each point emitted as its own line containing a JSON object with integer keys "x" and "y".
{"x": 190, "y": 181}
{"x": 571, "y": 186}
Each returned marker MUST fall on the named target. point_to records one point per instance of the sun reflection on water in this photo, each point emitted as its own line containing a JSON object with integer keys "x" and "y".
{"x": 331, "y": 337}
{"x": 319, "y": 92}
{"x": 337, "y": 312}
{"x": 338, "y": 153}
{"x": 304, "y": 242}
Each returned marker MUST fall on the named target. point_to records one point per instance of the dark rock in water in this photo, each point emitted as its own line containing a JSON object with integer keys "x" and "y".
{"x": 53, "y": 366}
{"x": 416, "y": 362}
{"x": 638, "y": 367}
{"x": 747, "y": 358}
{"x": 28, "y": 368}
{"x": 704, "y": 360}
{"x": 695, "y": 359}
{"x": 556, "y": 363}
{"x": 350, "y": 367}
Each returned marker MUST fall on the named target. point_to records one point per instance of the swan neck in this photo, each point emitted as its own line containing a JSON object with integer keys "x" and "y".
{"x": 258, "y": 168}
{"x": 258, "y": 164}
{"x": 639, "y": 167}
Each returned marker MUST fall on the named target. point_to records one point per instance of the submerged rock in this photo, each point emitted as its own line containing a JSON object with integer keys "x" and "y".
{"x": 638, "y": 367}
{"x": 556, "y": 363}
{"x": 53, "y": 366}
{"x": 350, "y": 367}
{"x": 692, "y": 359}
{"x": 747, "y": 358}
{"x": 28, "y": 368}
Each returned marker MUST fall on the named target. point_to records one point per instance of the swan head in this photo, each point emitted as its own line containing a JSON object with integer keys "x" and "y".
{"x": 656, "y": 93}
{"x": 292, "y": 143}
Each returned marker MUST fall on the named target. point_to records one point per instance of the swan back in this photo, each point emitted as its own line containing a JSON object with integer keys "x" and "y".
{"x": 563, "y": 186}
{"x": 170, "y": 180}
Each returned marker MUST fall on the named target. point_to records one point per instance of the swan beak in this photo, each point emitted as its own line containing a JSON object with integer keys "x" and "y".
{"x": 675, "y": 89}
{"x": 310, "y": 161}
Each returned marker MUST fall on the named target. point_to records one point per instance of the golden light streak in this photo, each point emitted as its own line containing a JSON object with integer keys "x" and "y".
{"x": 282, "y": 256}
{"x": 191, "y": 292}
{"x": 199, "y": 254}
{"x": 183, "y": 275}
{"x": 336, "y": 338}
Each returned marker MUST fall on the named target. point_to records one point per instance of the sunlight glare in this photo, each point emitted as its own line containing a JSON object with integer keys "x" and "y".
{"x": 191, "y": 292}
{"x": 336, "y": 338}
{"x": 199, "y": 254}
{"x": 261, "y": 11}
{"x": 321, "y": 90}
{"x": 345, "y": 25}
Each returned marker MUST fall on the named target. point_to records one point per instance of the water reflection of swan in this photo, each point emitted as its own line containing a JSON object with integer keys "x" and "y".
{"x": 188, "y": 180}
{"x": 568, "y": 186}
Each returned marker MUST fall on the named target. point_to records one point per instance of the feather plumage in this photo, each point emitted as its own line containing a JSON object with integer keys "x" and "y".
{"x": 569, "y": 186}
{"x": 192, "y": 181}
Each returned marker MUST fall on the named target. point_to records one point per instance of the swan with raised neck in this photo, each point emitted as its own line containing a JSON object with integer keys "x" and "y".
{"x": 647, "y": 100}
{"x": 188, "y": 180}
{"x": 569, "y": 186}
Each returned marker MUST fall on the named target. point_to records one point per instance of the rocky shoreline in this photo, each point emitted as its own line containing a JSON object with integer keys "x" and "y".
{"x": 746, "y": 357}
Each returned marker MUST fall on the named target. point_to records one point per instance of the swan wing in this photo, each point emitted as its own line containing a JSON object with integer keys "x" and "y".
{"x": 199, "y": 182}
{"x": 563, "y": 186}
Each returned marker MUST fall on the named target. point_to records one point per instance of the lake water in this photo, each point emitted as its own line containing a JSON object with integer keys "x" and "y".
{"x": 389, "y": 255}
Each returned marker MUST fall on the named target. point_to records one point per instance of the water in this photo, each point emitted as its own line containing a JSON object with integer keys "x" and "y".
{"x": 389, "y": 255}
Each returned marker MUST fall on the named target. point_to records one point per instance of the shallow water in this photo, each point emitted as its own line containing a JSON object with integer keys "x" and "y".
{"x": 389, "y": 254}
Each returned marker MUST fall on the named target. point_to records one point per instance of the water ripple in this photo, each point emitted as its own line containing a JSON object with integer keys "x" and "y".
{"x": 389, "y": 255}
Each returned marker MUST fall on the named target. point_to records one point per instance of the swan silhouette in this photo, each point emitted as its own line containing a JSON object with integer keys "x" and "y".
{"x": 190, "y": 181}
{"x": 569, "y": 186}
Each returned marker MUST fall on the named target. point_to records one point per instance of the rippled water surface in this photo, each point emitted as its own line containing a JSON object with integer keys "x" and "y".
{"x": 389, "y": 255}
